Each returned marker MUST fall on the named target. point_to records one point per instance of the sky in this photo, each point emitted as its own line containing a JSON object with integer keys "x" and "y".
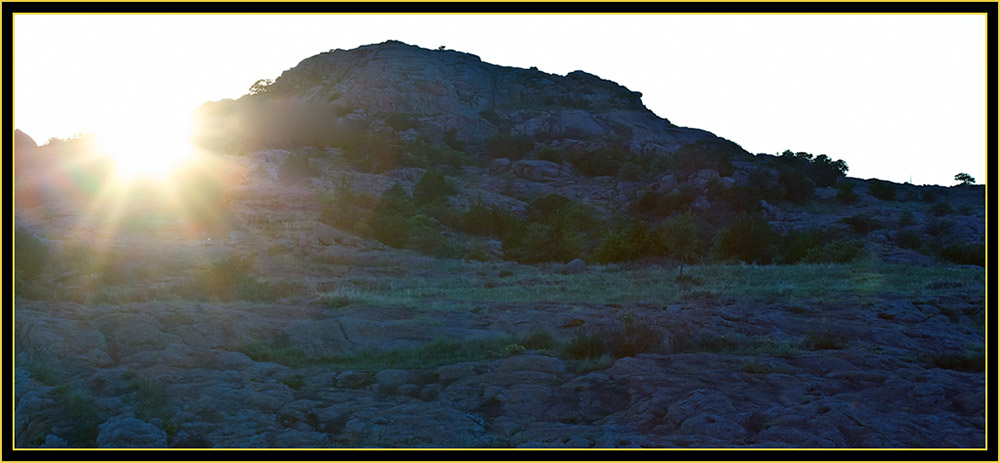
{"x": 898, "y": 97}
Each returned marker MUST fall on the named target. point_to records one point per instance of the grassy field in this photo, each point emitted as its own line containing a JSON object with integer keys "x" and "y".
{"x": 450, "y": 286}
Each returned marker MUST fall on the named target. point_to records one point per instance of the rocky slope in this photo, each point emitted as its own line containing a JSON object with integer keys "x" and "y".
{"x": 448, "y": 90}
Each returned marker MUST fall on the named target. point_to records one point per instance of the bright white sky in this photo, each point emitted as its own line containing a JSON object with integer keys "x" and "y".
{"x": 898, "y": 97}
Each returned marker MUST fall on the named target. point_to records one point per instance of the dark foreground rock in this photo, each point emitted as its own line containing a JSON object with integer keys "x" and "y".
{"x": 182, "y": 375}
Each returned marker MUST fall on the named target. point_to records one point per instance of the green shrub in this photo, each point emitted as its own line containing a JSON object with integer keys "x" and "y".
{"x": 711, "y": 153}
{"x": 231, "y": 279}
{"x": 477, "y": 252}
{"x": 30, "y": 257}
{"x": 392, "y": 229}
{"x": 677, "y": 238}
{"x": 799, "y": 188}
{"x": 485, "y": 220}
{"x": 80, "y": 415}
{"x": 376, "y": 153}
{"x": 965, "y": 254}
{"x": 928, "y": 196}
{"x": 905, "y": 219}
{"x": 969, "y": 360}
{"x": 882, "y": 190}
{"x": 796, "y": 244}
{"x": 940, "y": 209}
{"x": 749, "y": 238}
{"x": 909, "y": 238}
{"x": 845, "y": 193}
{"x": 628, "y": 341}
{"x": 862, "y": 224}
{"x": 561, "y": 212}
{"x": 939, "y": 227}
{"x": 426, "y": 237}
{"x": 630, "y": 172}
{"x": 555, "y": 229}
{"x": 346, "y": 209}
{"x": 431, "y": 186}
{"x": 390, "y": 221}
{"x": 825, "y": 171}
{"x": 534, "y": 242}
{"x": 614, "y": 247}
{"x": 442, "y": 211}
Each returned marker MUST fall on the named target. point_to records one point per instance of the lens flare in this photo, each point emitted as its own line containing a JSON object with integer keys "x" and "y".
{"x": 148, "y": 147}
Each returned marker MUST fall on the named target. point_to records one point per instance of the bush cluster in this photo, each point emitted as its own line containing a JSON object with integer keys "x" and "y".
{"x": 882, "y": 190}
{"x": 631, "y": 339}
{"x": 398, "y": 220}
{"x": 30, "y": 256}
{"x": 555, "y": 228}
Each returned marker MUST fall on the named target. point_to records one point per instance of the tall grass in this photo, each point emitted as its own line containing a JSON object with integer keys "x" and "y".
{"x": 458, "y": 289}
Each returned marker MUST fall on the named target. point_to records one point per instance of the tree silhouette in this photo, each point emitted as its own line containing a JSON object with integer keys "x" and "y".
{"x": 680, "y": 238}
{"x": 965, "y": 178}
{"x": 261, "y": 86}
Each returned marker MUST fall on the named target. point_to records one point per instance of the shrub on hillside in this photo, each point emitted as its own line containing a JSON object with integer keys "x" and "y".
{"x": 845, "y": 193}
{"x": 939, "y": 228}
{"x": 531, "y": 242}
{"x": 375, "y": 153}
{"x": 431, "y": 186}
{"x": 940, "y": 209}
{"x": 443, "y": 212}
{"x": 613, "y": 247}
{"x": 30, "y": 256}
{"x": 882, "y": 190}
{"x": 390, "y": 221}
{"x": 965, "y": 254}
{"x": 677, "y": 238}
{"x": 799, "y": 188}
{"x": 426, "y": 237}
{"x": 906, "y": 219}
{"x": 485, "y": 220}
{"x": 909, "y": 238}
{"x": 625, "y": 244}
{"x": 346, "y": 209}
{"x": 796, "y": 244}
{"x": 231, "y": 279}
{"x": 631, "y": 339}
{"x": 862, "y": 224}
{"x": 749, "y": 239}
{"x": 712, "y": 153}
{"x": 630, "y": 172}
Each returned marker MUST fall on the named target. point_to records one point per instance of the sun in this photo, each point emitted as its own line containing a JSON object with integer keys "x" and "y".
{"x": 148, "y": 147}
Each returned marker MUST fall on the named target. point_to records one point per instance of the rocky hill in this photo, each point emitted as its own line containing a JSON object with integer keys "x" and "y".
{"x": 399, "y": 247}
{"x": 436, "y": 91}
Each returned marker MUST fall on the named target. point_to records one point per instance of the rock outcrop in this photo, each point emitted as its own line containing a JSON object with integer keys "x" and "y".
{"x": 404, "y": 87}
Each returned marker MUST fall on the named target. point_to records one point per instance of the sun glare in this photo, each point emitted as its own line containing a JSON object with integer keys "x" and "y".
{"x": 148, "y": 147}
